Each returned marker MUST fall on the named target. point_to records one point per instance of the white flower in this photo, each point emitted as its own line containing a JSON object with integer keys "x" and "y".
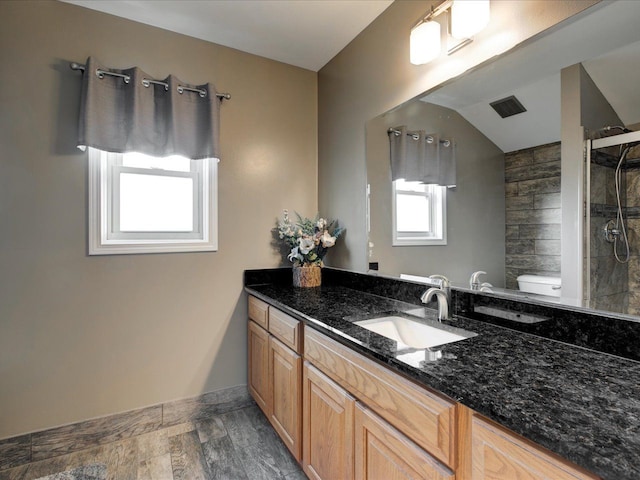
{"x": 294, "y": 255}
{"x": 321, "y": 223}
{"x": 328, "y": 240}
{"x": 306, "y": 245}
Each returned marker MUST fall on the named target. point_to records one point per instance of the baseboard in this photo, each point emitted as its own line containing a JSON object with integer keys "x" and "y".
{"x": 53, "y": 442}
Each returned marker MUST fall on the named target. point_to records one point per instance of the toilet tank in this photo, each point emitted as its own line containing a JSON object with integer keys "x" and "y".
{"x": 540, "y": 285}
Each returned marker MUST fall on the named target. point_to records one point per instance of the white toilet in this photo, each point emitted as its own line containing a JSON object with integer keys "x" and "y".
{"x": 540, "y": 285}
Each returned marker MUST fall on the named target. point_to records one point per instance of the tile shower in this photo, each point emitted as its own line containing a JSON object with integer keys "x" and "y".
{"x": 614, "y": 286}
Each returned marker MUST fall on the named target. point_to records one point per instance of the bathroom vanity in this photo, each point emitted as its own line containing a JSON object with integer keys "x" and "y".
{"x": 504, "y": 404}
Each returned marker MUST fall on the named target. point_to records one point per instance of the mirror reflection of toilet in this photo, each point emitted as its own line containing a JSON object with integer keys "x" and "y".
{"x": 540, "y": 285}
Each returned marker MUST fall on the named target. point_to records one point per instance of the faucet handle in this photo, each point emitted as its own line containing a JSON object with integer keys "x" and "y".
{"x": 444, "y": 281}
{"x": 474, "y": 281}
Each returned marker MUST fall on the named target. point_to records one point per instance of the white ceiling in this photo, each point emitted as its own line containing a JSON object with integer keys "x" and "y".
{"x": 304, "y": 33}
{"x": 606, "y": 41}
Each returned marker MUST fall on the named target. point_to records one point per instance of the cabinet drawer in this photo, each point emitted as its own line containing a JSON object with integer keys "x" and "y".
{"x": 258, "y": 312}
{"x": 425, "y": 417}
{"x": 285, "y": 328}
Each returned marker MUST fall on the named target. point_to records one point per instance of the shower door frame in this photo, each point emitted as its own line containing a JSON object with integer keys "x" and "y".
{"x": 591, "y": 145}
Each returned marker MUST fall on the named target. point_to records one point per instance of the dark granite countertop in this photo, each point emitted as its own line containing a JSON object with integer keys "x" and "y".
{"x": 582, "y": 404}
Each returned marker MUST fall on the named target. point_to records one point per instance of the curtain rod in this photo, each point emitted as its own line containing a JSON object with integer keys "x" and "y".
{"x": 148, "y": 81}
{"x": 415, "y": 136}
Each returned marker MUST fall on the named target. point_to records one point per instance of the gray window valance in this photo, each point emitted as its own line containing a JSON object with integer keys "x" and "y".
{"x": 123, "y": 111}
{"x": 417, "y": 156}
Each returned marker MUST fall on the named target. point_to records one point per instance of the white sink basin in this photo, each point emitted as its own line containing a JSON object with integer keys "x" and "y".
{"x": 415, "y": 334}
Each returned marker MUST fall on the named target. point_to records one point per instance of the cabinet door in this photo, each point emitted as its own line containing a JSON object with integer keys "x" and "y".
{"x": 258, "y": 365}
{"x": 327, "y": 428}
{"x": 422, "y": 415}
{"x": 286, "y": 378}
{"x": 500, "y": 455}
{"x": 383, "y": 453}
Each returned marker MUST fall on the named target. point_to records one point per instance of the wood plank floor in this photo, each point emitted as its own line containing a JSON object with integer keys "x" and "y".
{"x": 238, "y": 445}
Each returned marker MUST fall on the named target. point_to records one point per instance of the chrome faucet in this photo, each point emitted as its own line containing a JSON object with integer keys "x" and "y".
{"x": 445, "y": 286}
{"x": 443, "y": 301}
{"x": 474, "y": 281}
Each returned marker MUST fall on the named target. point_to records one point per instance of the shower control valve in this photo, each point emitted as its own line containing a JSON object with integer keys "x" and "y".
{"x": 611, "y": 233}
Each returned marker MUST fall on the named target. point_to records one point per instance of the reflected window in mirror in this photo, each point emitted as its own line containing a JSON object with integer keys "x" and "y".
{"x": 419, "y": 214}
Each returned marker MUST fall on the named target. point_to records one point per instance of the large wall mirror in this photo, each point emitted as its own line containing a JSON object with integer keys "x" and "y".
{"x": 505, "y": 215}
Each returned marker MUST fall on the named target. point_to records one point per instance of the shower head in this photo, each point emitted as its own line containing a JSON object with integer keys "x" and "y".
{"x": 608, "y": 128}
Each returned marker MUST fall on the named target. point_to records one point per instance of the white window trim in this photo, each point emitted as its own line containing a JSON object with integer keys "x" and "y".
{"x": 438, "y": 213}
{"x": 102, "y": 242}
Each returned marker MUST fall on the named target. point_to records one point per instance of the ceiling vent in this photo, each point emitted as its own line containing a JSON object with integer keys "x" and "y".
{"x": 507, "y": 107}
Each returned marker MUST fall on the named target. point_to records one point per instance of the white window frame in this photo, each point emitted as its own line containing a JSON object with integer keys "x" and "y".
{"x": 105, "y": 238}
{"x": 437, "y": 234}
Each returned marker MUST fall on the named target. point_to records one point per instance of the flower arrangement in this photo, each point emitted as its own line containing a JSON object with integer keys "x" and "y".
{"x": 308, "y": 239}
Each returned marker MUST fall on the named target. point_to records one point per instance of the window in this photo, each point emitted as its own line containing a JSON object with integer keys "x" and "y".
{"x": 144, "y": 204}
{"x": 419, "y": 214}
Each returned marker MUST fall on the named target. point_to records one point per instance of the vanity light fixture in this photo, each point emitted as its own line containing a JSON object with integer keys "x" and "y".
{"x": 424, "y": 43}
{"x": 468, "y": 17}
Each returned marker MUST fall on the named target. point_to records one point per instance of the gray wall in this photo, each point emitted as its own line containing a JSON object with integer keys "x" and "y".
{"x": 372, "y": 75}
{"x": 475, "y": 208}
{"x": 87, "y": 336}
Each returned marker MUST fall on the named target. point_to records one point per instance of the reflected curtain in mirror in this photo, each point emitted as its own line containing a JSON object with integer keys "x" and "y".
{"x": 420, "y": 157}
{"x": 123, "y": 111}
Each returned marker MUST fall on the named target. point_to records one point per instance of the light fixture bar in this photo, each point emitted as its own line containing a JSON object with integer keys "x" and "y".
{"x": 459, "y": 45}
{"x": 434, "y": 12}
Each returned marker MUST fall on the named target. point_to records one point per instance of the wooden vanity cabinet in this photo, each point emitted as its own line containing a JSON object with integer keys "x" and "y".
{"x": 285, "y": 367}
{"x": 426, "y": 418}
{"x": 275, "y": 371}
{"x": 344, "y": 416}
{"x": 328, "y": 411}
{"x": 258, "y": 365}
{"x": 384, "y": 453}
{"x": 498, "y": 454}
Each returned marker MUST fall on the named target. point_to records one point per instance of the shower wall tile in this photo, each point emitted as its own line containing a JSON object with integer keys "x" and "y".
{"x": 546, "y": 200}
{"x": 634, "y": 274}
{"x": 543, "y": 170}
{"x": 540, "y": 185}
{"x": 519, "y": 158}
{"x": 608, "y": 276}
{"x": 535, "y": 217}
{"x": 511, "y": 189}
{"x": 524, "y": 202}
{"x": 550, "y": 263}
{"x": 512, "y": 232}
{"x": 633, "y": 233}
{"x": 547, "y": 247}
{"x": 546, "y": 153}
{"x": 533, "y": 212}
{"x": 633, "y": 188}
{"x": 634, "y": 152}
{"x": 520, "y": 247}
{"x": 599, "y": 246}
{"x": 542, "y": 232}
{"x": 598, "y": 183}
{"x": 617, "y": 303}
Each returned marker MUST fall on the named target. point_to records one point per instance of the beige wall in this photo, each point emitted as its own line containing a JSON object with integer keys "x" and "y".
{"x": 475, "y": 208}
{"x": 373, "y": 74}
{"x": 87, "y": 336}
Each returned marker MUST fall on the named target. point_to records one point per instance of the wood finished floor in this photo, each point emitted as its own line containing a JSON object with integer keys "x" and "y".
{"x": 238, "y": 445}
